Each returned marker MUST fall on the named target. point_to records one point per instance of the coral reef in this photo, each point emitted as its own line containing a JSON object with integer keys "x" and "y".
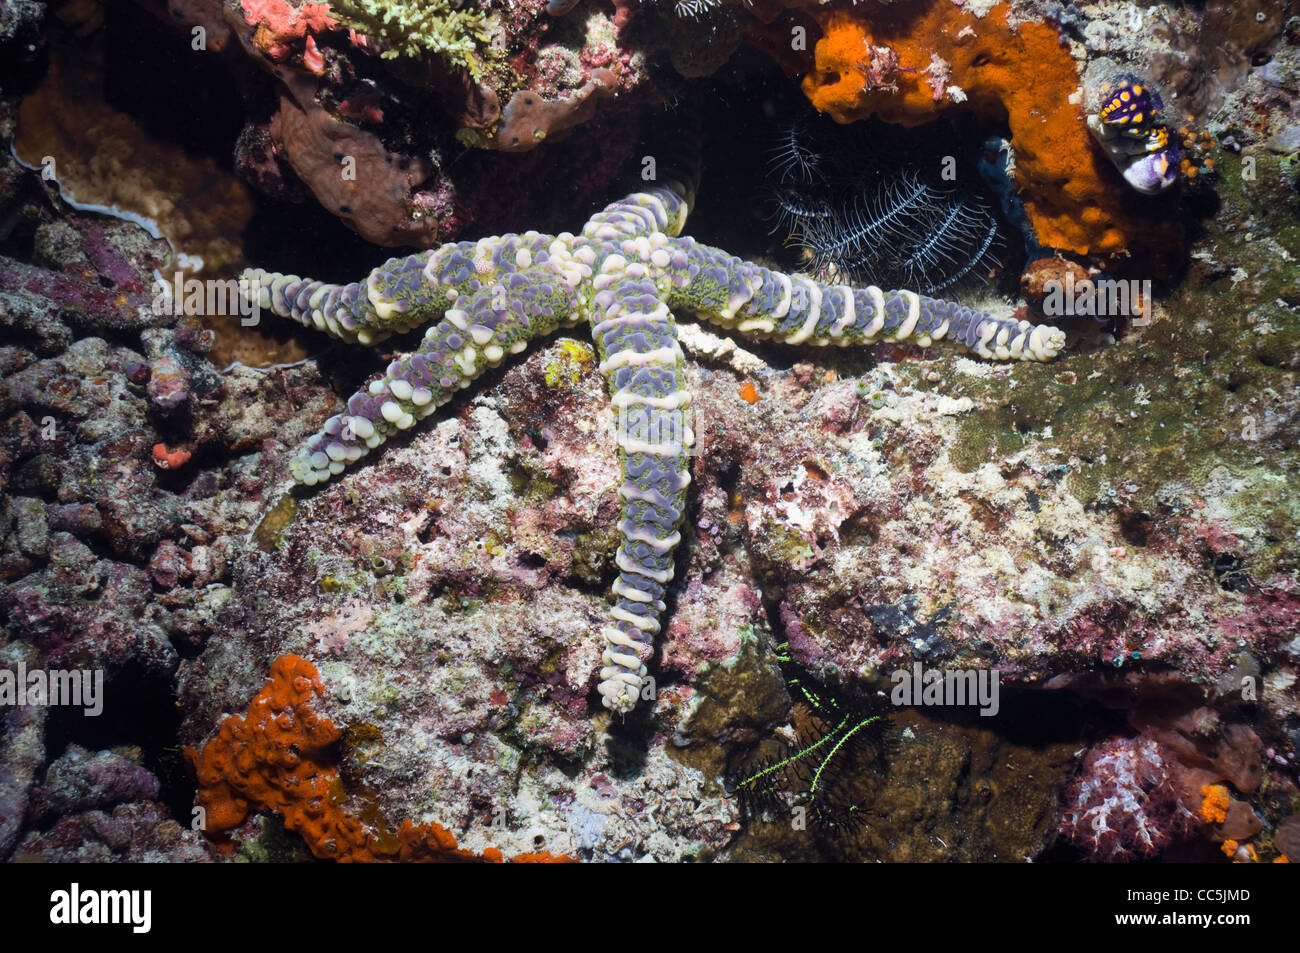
{"x": 136, "y": 833}
{"x": 622, "y": 274}
{"x": 1013, "y": 73}
{"x": 1112, "y": 532}
{"x": 276, "y": 758}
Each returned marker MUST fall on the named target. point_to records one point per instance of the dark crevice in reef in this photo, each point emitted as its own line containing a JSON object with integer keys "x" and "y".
{"x": 732, "y": 542}
{"x": 627, "y": 746}
{"x": 772, "y": 596}
{"x": 729, "y": 478}
{"x": 740, "y": 149}
{"x": 101, "y": 546}
{"x": 595, "y": 586}
{"x": 1135, "y": 528}
{"x": 1230, "y": 572}
{"x": 140, "y": 711}
{"x": 307, "y": 240}
{"x": 130, "y": 340}
{"x": 862, "y": 770}
{"x": 203, "y": 114}
{"x": 746, "y": 115}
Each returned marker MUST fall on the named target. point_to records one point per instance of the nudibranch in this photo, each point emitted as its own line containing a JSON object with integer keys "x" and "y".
{"x": 1129, "y": 125}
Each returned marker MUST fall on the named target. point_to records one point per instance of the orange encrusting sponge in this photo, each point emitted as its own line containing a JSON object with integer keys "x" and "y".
{"x": 1214, "y": 803}
{"x": 277, "y": 758}
{"x": 1022, "y": 76}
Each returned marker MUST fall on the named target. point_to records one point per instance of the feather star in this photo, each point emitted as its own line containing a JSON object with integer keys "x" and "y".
{"x": 626, "y": 274}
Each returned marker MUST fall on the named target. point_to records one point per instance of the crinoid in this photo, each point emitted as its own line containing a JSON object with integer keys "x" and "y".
{"x": 836, "y": 740}
{"x": 794, "y": 157}
{"x": 850, "y": 211}
{"x": 694, "y": 8}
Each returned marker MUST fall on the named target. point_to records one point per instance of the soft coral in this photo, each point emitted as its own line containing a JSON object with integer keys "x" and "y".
{"x": 1124, "y": 802}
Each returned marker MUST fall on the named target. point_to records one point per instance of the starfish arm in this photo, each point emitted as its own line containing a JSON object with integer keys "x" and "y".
{"x": 362, "y": 312}
{"x": 637, "y": 342}
{"x": 485, "y": 326}
{"x": 761, "y": 303}
{"x": 399, "y": 295}
{"x": 662, "y": 208}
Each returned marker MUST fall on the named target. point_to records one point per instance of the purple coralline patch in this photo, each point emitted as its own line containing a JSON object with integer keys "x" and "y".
{"x": 115, "y": 299}
{"x": 707, "y": 628}
{"x": 804, "y": 650}
{"x": 80, "y": 780}
{"x": 140, "y": 832}
{"x": 22, "y": 754}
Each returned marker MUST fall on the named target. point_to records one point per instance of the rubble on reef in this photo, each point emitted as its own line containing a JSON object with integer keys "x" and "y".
{"x": 1113, "y": 532}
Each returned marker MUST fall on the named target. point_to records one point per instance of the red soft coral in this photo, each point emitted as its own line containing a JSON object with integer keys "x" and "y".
{"x": 1124, "y": 802}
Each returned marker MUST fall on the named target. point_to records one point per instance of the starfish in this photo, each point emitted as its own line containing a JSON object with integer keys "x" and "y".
{"x": 626, "y": 274}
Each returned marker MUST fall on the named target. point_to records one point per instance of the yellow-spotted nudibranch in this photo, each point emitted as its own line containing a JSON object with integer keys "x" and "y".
{"x": 1129, "y": 125}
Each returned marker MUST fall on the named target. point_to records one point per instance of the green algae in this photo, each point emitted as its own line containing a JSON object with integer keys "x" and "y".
{"x": 269, "y": 533}
{"x": 361, "y": 741}
{"x": 1210, "y": 384}
{"x": 273, "y": 844}
{"x": 593, "y": 553}
{"x": 392, "y": 588}
{"x": 782, "y": 546}
{"x": 330, "y": 586}
{"x": 530, "y": 483}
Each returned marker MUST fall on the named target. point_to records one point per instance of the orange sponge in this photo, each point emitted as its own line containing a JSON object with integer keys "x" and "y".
{"x": 1214, "y": 803}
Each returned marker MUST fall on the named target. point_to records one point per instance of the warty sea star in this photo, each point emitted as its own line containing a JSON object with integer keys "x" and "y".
{"x": 626, "y": 274}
